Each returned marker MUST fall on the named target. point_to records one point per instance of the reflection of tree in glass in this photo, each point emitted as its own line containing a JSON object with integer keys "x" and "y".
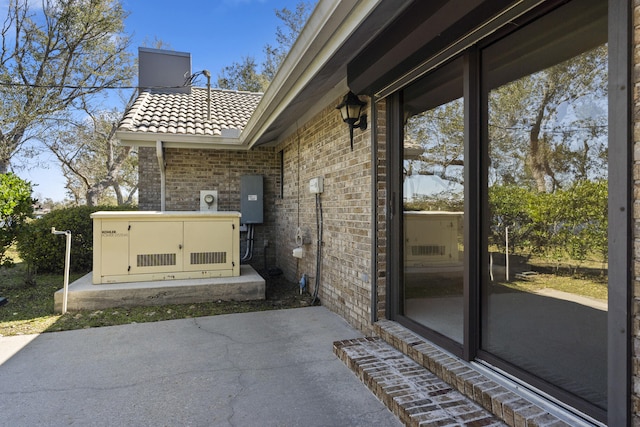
{"x": 440, "y": 133}
{"x": 549, "y": 129}
{"x": 568, "y": 226}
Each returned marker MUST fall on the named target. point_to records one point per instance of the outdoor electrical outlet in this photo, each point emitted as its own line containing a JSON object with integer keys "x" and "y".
{"x": 316, "y": 185}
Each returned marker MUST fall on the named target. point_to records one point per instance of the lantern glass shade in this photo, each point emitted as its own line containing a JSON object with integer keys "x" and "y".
{"x": 352, "y": 111}
{"x": 350, "y": 108}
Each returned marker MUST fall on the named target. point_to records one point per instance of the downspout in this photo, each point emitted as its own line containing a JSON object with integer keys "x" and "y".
{"x": 374, "y": 210}
{"x": 163, "y": 182}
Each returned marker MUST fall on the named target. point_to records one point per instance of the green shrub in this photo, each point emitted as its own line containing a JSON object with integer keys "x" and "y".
{"x": 16, "y": 206}
{"x": 44, "y": 252}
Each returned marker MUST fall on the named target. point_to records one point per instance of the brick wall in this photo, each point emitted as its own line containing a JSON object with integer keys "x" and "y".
{"x": 188, "y": 171}
{"x": 148, "y": 179}
{"x": 321, "y": 148}
{"x": 636, "y": 179}
{"x": 381, "y": 138}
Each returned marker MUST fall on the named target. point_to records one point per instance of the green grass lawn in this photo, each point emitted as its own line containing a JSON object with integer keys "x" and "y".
{"x": 590, "y": 281}
{"x": 30, "y": 307}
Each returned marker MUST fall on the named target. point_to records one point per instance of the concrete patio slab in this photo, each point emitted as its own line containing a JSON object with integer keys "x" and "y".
{"x": 273, "y": 368}
{"x": 83, "y": 295}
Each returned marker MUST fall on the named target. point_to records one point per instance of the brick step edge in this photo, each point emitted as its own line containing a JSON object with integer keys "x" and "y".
{"x": 415, "y": 395}
{"x": 505, "y": 404}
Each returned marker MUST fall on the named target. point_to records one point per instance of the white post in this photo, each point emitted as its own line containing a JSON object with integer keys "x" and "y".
{"x": 67, "y": 261}
{"x": 506, "y": 232}
{"x": 491, "y": 266}
{"x": 163, "y": 178}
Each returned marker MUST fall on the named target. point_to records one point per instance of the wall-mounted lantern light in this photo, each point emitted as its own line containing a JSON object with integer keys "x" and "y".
{"x": 350, "y": 108}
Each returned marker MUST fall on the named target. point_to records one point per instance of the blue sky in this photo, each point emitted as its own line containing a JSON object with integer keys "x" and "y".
{"x": 216, "y": 33}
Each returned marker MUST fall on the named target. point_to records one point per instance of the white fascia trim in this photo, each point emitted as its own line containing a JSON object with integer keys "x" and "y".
{"x": 331, "y": 23}
{"x": 149, "y": 139}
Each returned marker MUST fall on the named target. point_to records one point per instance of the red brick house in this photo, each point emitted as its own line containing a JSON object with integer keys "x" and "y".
{"x": 436, "y": 77}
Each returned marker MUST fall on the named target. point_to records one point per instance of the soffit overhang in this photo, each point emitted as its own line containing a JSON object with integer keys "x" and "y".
{"x": 315, "y": 70}
{"x": 371, "y": 48}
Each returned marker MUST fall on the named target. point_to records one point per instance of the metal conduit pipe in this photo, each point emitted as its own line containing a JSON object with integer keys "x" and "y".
{"x": 248, "y": 254}
{"x": 319, "y": 227}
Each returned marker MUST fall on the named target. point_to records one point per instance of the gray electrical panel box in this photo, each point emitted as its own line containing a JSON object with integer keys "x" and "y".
{"x": 251, "y": 199}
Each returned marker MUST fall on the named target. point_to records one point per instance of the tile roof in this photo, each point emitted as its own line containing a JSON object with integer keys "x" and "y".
{"x": 186, "y": 113}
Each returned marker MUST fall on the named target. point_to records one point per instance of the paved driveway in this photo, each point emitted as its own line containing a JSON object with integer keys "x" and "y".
{"x": 255, "y": 369}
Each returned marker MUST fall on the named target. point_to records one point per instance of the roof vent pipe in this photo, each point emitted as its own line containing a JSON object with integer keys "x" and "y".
{"x": 208, "y": 76}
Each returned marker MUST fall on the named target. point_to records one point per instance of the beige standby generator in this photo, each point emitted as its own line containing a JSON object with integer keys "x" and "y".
{"x": 133, "y": 246}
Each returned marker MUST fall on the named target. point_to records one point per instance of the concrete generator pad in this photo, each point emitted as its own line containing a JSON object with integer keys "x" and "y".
{"x": 273, "y": 368}
{"x": 83, "y": 295}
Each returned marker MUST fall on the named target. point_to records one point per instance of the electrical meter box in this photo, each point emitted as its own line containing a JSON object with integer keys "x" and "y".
{"x": 146, "y": 245}
{"x": 251, "y": 199}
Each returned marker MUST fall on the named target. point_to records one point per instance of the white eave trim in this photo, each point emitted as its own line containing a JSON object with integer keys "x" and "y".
{"x": 149, "y": 139}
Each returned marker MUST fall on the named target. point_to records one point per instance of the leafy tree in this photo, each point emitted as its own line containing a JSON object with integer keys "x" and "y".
{"x": 510, "y": 206}
{"x": 293, "y": 21}
{"x": 584, "y": 221}
{"x": 547, "y": 129}
{"x": 52, "y": 58}
{"x": 567, "y": 225}
{"x": 93, "y": 161}
{"x": 245, "y": 75}
{"x": 16, "y": 206}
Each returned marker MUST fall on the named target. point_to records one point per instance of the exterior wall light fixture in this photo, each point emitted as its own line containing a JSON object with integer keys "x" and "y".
{"x": 350, "y": 109}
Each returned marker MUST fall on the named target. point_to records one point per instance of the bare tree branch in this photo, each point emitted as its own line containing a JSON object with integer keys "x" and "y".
{"x": 62, "y": 55}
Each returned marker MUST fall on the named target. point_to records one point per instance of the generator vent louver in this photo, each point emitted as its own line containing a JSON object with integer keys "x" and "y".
{"x": 433, "y": 239}
{"x": 428, "y": 250}
{"x": 154, "y": 260}
{"x": 208, "y": 258}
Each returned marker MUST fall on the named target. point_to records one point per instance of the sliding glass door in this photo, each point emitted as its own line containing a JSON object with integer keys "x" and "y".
{"x": 433, "y": 201}
{"x": 525, "y": 287}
